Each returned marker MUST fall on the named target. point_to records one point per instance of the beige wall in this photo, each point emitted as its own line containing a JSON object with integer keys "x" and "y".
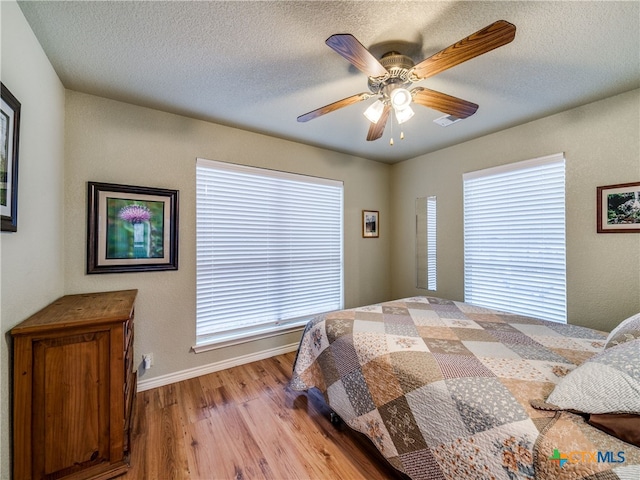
{"x": 31, "y": 260}
{"x": 113, "y": 142}
{"x": 601, "y": 142}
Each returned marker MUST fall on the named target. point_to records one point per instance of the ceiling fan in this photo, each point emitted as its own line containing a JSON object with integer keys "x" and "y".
{"x": 392, "y": 75}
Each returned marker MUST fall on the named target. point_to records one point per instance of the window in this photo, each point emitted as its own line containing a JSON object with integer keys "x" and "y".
{"x": 269, "y": 251}
{"x": 426, "y": 266}
{"x": 431, "y": 243}
{"x": 514, "y": 238}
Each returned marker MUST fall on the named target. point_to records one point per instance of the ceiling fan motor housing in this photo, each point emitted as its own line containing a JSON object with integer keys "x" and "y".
{"x": 398, "y": 66}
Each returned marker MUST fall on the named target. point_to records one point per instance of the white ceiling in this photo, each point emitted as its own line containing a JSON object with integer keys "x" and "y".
{"x": 259, "y": 65}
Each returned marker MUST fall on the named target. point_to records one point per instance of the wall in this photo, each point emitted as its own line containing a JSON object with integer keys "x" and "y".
{"x": 31, "y": 259}
{"x": 601, "y": 142}
{"x": 113, "y": 142}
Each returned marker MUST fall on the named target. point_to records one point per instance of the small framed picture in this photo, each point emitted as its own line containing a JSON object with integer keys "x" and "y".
{"x": 131, "y": 229}
{"x": 370, "y": 224}
{"x": 618, "y": 208}
{"x": 9, "y": 140}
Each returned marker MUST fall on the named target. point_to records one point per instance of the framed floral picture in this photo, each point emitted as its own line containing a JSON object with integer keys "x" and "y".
{"x": 370, "y": 224}
{"x": 131, "y": 229}
{"x": 618, "y": 208}
{"x": 9, "y": 141}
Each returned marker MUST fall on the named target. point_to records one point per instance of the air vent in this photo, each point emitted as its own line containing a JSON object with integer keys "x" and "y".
{"x": 446, "y": 120}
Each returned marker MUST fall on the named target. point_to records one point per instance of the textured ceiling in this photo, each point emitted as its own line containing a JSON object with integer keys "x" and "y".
{"x": 258, "y": 65}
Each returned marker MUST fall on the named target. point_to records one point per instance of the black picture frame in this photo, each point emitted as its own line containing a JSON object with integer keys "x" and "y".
{"x": 9, "y": 148}
{"x": 131, "y": 228}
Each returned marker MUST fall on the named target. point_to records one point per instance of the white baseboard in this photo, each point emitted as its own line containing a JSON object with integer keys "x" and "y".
{"x": 169, "y": 378}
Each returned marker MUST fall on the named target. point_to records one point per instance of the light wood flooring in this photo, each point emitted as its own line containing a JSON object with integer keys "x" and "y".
{"x": 244, "y": 423}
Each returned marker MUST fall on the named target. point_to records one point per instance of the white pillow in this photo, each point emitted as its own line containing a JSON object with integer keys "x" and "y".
{"x": 606, "y": 383}
{"x": 626, "y": 331}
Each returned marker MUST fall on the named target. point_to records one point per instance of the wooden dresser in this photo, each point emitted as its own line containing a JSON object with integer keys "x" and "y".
{"x": 74, "y": 388}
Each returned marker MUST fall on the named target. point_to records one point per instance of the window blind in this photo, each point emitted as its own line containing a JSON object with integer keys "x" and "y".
{"x": 514, "y": 238}
{"x": 269, "y": 250}
{"x": 431, "y": 243}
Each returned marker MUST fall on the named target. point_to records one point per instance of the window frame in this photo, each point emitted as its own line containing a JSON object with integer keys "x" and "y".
{"x": 549, "y": 275}
{"x": 270, "y": 197}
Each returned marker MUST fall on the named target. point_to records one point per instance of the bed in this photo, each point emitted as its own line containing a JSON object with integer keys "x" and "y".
{"x": 448, "y": 390}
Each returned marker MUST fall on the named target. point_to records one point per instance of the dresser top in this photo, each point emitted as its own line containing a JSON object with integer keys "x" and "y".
{"x": 80, "y": 310}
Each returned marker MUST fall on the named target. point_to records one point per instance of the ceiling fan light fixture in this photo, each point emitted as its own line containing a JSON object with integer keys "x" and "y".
{"x": 400, "y": 98}
{"x": 374, "y": 112}
{"x": 402, "y": 115}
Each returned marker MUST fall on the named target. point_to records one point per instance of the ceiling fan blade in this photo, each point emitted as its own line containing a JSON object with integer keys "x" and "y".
{"x": 377, "y": 129}
{"x": 443, "y": 103}
{"x": 334, "y": 106}
{"x": 493, "y": 36}
{"x": 350, "y": 48}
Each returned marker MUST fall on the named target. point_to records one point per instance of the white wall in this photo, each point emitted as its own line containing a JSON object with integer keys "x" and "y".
{"x": 601, "y": 142}
{"x": 114, "y": 142}
{"x": 31, "y": 260}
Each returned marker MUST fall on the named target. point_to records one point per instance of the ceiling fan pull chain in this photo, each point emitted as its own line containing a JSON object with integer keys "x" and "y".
{"x": 391, "y": 140}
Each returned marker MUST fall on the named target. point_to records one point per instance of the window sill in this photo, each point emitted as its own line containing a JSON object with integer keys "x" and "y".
{"x": 238, "y": 340}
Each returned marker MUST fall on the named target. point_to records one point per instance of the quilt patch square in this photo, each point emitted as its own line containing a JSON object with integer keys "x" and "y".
{"x": 461, "y": 322}
{"x": 437, "y": 413}
{"x": 484, "y": 403}
{"x": 414, "y": 369}
{"x": 344, "y": 355}
{"x": 355, "y": 387}
{"x": 336, "y": 328}
{"x": 576, "y": 331}
{"x": 402, "y": 427}
{"x": 496, "y": 326}
{"x": 455, "y": 347}
{"x": 403, "y": 328}
{"x": 372, "y": 425}
{"x": 369, "y": 316}
{"x": 369, "y": 346}
{"x": 536, "y": 352}
{"x": 454, "y": 366}
{"x": 426, "y": 318}
{"x": 444, "y": 333}
{"x": 514, "y": 368}
{"x": 381, "y": 380}
{"x": 422, "y": 465}
{"x": 513, "y": 338}
{"x": 490, "y": 349}
{"x": 473, "y": 334}
{"x": 328, "y": 366}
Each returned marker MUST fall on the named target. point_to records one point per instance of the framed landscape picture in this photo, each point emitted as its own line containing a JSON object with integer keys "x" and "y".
{"x": 618, "y": 208}
{"x": 131, "y": 229}
{"x": 9, "y": 141}
{"x": 370, "y": 224}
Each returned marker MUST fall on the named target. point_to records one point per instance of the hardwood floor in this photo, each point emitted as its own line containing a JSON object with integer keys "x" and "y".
{"x": 244, "y": 423}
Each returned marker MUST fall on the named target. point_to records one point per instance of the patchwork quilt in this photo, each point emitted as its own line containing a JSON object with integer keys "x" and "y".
{"x": 444, "y": 389}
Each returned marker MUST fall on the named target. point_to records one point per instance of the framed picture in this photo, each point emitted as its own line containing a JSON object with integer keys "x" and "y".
{"x": 370, "y": 224}
{"x": 9, "y": 141}
{"x": 131, "y": 229}
{"x": 618, "y": 208}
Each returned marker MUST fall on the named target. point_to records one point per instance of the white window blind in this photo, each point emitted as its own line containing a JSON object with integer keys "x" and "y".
{"x": 426, "y": 243}
{"x": 514, "y": 238}
{"x": 431, "y": 243}
{"x": 269, "y": 250}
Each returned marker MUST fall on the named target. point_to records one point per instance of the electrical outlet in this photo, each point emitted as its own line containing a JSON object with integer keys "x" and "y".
{"x": 147, "y": 361}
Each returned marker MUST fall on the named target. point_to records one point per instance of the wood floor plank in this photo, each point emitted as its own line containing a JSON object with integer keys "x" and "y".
{"x": 240, "y": 447}
{"x": 244, "y": 423}
{"x": 281, "y": 446}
